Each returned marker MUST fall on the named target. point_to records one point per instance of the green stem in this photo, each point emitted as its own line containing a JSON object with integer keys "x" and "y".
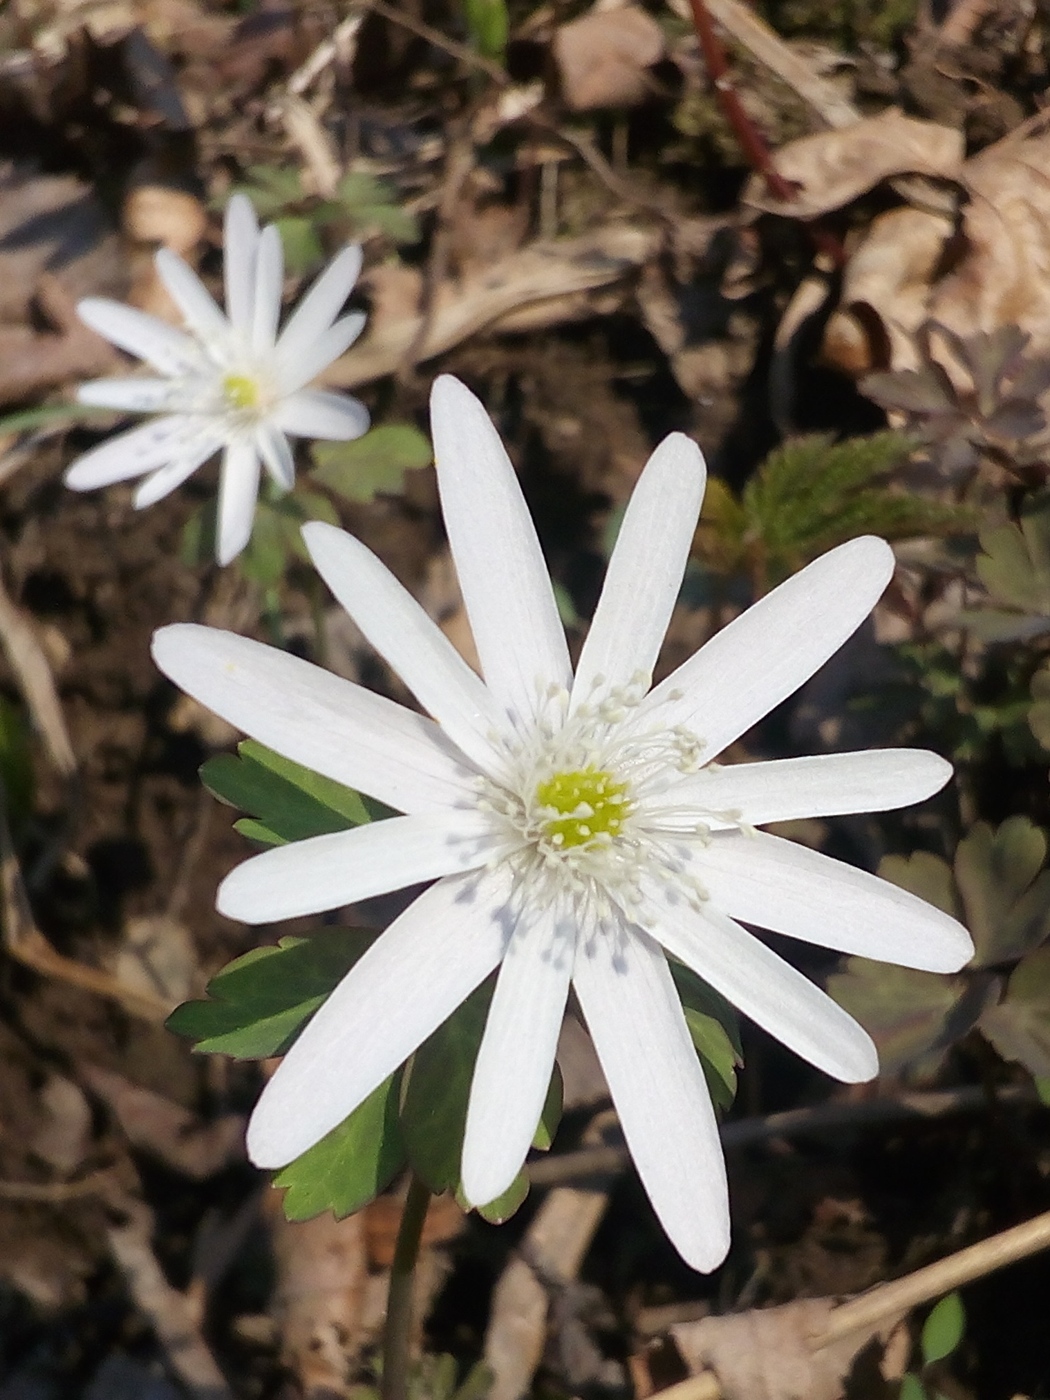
{"x": 398, "y": 1326}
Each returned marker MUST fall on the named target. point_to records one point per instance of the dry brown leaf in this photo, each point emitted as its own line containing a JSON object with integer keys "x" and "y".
{"x": 831, "y": 168}
{"x": 774, "y": 1353}
{"x": 1002, "y": 278}
{"x": 165, "y": 1129}
{"x": 602, "y": 57}
{"x": 322, "y": 1277}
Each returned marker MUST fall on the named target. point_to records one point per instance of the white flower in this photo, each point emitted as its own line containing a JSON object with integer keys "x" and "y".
{"x": 229, "y": 381}
{"x": 577, "y": 828}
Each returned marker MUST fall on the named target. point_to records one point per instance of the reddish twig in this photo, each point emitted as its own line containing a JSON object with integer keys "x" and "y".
{"x": 751, "y": 140}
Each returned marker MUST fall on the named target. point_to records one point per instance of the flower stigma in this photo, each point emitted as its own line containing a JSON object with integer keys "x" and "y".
{"x": 241, "y": 392}
{"x": 583, "y": 806}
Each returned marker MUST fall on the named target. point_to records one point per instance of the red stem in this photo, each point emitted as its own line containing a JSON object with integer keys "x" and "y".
{"x": 752, "y": 143}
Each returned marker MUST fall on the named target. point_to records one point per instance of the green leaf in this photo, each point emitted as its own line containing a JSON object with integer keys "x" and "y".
{"x": 489, "y": 26}
{"x": 1015, "y": 565}
{"x": 287, "y": 801}
{"x": 812, "y": 493}
{"x": 42, "y": 417}
{"x": 1039, "y": 713}
{"x": 375, "y": 463}
{"x": 551, "y": 1114}
{"x": 434, "y": 1104}
{"x": 272, "y": 189}
{"x": 1019, "y": 1026}
{"x": 372, "y": 204}
{"x": 925, "y": 875}
{"x": 1006, "y": 898}
{"x": 911, "y": 1388}
{"x": 715, "y": 1032}
{"x": 500, "y": 1210}
{"x": 908, "y": 1014}
{"x": 943, "y": 1329}
{"x": 351, "y": 1164}
{"x": 258, "y": 1003}
{"x": 302, "y": 247}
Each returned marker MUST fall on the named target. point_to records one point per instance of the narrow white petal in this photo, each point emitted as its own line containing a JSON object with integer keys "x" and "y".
{"x": 192, "y": 297}
{"x": 762, "y": 985}
{"x": 163, "y": 481}
{"x": 269, "y": 288}
{"x": 766, "y": 653}
{"x": 134, "y": 453}
{"x": 779, "y": 885}
{"x": 129, "y": 395}
{"x": 516, "y": 1057}
{"x": 645, "y": 571}
{"x": 238, "y": 492}
{"x": 166, "y": 348}
{"x": 320, "y": 306}
{"x": 320, "y": 720}
{"x": 410, "y": 980}
{"x": 403, "y": 634}
{"x": 273, "y": 447}
{"x": 636, "y": 1022}
{"x": 506, "y": 587}
{"x": 319, "y": 353}
{"x": 240, "y": 241}
{"x": 823, "y": 785}
{"x": 318, "y": 413}
{"x": 329, "y": 872}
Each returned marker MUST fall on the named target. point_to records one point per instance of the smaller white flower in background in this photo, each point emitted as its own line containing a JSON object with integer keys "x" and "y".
{"x": 227, "y": 382}
{"x": 577, "y": 826}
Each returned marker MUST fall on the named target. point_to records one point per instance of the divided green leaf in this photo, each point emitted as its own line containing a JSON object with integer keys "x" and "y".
{"x": 258, "y": 1004}
{"x": 373, "y": 464}
{"x": 1019, "y": 1026}
{"x": 812, "y": 493}
{"x": 1015, "y": 569}
{"x": 284, "y": 800}
{"x": 908, "y": 1014}
{"x": 351, "y": 1164}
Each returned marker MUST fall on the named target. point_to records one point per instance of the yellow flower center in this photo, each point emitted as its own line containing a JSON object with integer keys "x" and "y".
{"x": 585, "y": 805}
{"x": 241, "y": 391}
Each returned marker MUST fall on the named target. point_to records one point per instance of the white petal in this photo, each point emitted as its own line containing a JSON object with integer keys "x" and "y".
{"x": 329, "y": 872}
{"x": 505, "y": 584}
{"x": 779, "y": 885}
{"x": 645, "y": 571}
{"x": 163, "y": 481}
{"x": 762, "y": 985}
{"x": 514, "y": 1063}
{"x": 319, "y": 353}
{"x": 190, "y": 295}
{"x": 317, "y": 413}
{"x": 134, "y": 453}
{"x": 823, "y": 785}
{"x": 269, "y": 288}
{"x": 164, "y": 347}
{"x": 320, "y": 306}
{"x": 273, "y": 447}
{"x": 403, "y": 634}
{"x": 238, "y": 492}
{"x": 636, "y": 1022}
{"x": 320, "y": 720}
{"x": 764, "y": 655}
{"x": 410, "y": 980}
{"x": 129, "y": 395}
{"x": 240, "y": 241}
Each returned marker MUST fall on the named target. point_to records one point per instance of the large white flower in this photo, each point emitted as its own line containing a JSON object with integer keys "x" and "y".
{"x": 227, "y": 381}
{"x": 577, "y": 828}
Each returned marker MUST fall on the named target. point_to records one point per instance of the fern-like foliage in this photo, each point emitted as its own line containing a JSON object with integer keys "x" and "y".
{"x": 810, "y": 494}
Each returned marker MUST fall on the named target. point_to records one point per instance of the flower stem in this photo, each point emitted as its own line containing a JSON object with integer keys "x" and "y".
{"x": 398, "y": 1325}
